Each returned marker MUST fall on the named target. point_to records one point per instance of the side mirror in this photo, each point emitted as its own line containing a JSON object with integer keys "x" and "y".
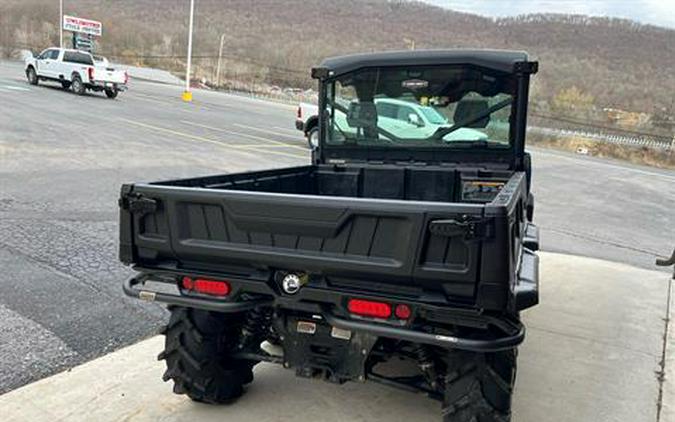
{"x": 467, "y": 109}
{"x": 414, "y": 119}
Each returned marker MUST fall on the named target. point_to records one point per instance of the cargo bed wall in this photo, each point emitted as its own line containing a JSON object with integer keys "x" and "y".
{"x": 423, "y": 183}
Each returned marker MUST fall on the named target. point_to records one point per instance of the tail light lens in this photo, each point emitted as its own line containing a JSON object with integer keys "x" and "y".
{"x": 369, "y": 308}
{"x": 299, "y": 113}
{"x": 90, "y": 73}
{"x": 126, "y": 77}
{"x": 205, "y": 286}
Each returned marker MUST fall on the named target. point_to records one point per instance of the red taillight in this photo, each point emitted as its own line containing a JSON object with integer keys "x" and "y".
{"x": 126, "y": 77}
{"x": 402, "y": 311}
{"x": 209, "y": 287}
{"x": 299, "y": 113}
{"x": 90, "y": 71}
{"x": 369, "y": 308}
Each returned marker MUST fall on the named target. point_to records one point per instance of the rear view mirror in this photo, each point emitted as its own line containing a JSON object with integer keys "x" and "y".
{"x": 468, "y": 109}
{"x": 362, "y": 115}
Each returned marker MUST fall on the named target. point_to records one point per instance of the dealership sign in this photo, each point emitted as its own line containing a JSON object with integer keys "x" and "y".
{"x": 84, "y": 26}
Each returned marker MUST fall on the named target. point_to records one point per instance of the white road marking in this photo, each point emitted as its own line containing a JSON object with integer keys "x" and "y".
{"x": 191, "y": 137}
{"x": 15, "y": 88}
{"x": 271, "y": 132}
{"x": 246, "y": 135}
{"x": 287, "y": 130}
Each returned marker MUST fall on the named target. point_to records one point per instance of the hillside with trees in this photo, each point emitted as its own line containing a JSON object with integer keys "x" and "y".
{"x": 587, "y": 64}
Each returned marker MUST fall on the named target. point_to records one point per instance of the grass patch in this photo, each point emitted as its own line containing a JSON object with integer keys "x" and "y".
{"x": 655, "y": 157}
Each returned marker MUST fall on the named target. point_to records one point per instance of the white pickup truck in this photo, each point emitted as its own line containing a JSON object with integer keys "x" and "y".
{"x": 307, "y": 121}
{"x": 75, "y": 70}
{"x": 413, "y": 120}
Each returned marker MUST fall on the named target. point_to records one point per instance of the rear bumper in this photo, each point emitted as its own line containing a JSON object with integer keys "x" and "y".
{"x": 99, "y": 86}
{"x": 328, "y": 305}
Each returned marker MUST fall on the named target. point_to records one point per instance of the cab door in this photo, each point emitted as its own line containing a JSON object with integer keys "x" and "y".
{"x": 409, "y": 124}
{"x": 386, "y": 116}
{"x": 46, "y": 63}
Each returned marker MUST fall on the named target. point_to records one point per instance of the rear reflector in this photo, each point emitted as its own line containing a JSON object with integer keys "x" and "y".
{"x": 209, "y": 287}
{"x": 369, "y": 308}
{"x": 402, "y": 311}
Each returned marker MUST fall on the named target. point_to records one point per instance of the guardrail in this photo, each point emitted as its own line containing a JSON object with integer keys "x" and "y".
{"x": 657, "y": 143}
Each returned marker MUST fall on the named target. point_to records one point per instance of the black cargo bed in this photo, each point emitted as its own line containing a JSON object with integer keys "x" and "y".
{"x": 341, "y": 223}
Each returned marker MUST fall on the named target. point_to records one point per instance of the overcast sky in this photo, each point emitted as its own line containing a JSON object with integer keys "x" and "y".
{"x": 655, "y": 12}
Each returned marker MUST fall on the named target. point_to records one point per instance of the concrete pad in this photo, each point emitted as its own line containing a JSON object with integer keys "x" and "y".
{"x": 126, "y": 385}
{"x": 594, "y": 343}
{"x": 591, "y": 355}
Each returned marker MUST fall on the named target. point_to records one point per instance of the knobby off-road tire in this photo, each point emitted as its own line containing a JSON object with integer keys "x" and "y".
{"x": 479, "y": 387}
{"x": 196, "y": 351}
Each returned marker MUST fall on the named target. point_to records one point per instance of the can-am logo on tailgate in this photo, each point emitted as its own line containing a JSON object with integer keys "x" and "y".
{"x": 415, "y": 84}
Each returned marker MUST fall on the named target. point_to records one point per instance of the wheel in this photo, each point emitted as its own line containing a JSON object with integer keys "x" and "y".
{"x": 196, "y": 353}
{"x": 313, "y": 138}
{"x": 111, "y": 93}
{"x": 32, "y": 76}
{"x": 65, "y": 85}
{"x": 77, "y": 85}
{"x": 479, "y": 386}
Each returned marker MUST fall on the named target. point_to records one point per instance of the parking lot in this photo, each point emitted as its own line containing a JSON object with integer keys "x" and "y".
{"x": 593, "y": 353}
{"x": 64, "y": 157}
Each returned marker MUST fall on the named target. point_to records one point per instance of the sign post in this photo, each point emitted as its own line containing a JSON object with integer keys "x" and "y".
{"x": 61, "y": 24}
{"x": 187, "y": 94}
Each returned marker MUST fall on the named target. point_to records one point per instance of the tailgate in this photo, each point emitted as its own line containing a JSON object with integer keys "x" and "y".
{"x": 386, "y": 241}
{"x": 109, "y": 74}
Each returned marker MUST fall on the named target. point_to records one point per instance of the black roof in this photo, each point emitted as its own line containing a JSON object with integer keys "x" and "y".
{"x": 500, "y": 60}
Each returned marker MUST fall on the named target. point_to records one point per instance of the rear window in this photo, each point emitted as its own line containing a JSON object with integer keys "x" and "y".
{"x": 77, "y": 57}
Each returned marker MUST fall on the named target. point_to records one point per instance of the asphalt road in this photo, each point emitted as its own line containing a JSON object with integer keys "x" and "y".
{"x": 64, "y": 157}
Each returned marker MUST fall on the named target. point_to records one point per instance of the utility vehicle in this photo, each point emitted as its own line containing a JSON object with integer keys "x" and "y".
{"x": 389, "y": 250}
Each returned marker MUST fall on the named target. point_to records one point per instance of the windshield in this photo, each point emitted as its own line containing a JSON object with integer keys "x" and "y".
{"x": 432, "y": 106}
{"x": 433, "y": 116}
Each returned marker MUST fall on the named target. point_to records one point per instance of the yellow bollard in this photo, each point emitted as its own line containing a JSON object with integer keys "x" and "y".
{"x": 187, "y": 96}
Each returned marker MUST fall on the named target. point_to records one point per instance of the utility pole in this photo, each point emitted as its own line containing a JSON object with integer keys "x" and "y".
{"x": 60, "y": 23}
{"x": 187, "y": 95}
{"x": 220, "y": 57}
